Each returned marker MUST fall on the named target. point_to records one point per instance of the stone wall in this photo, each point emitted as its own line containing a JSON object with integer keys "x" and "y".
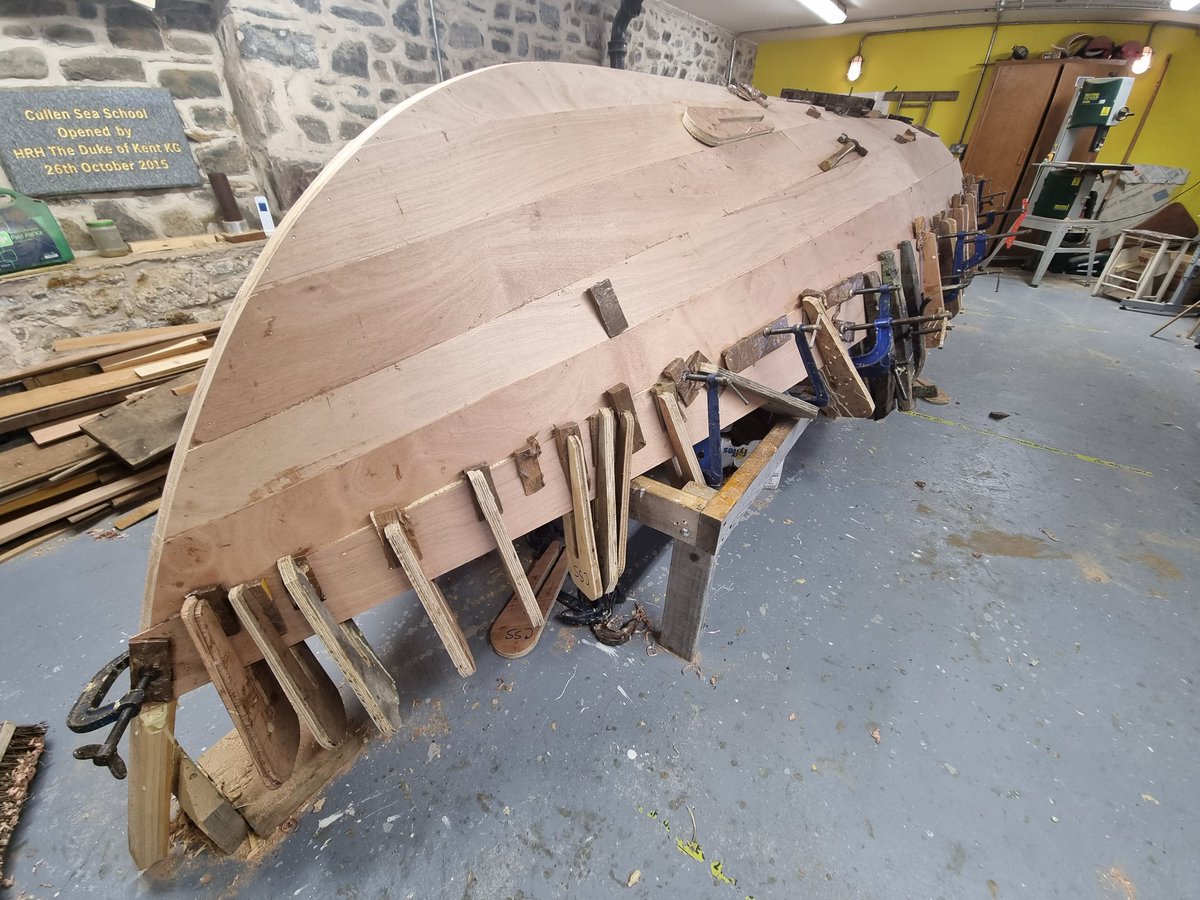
{"x": 268, "y": 91}
{"x": 85, "y": 42}
{"x": 101, "y": 295}
{"x": 308, "y": 76}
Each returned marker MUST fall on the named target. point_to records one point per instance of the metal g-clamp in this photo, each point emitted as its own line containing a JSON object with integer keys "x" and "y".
{"x": 90, "y": 713}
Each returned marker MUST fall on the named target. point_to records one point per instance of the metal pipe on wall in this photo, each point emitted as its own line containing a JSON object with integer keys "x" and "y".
{"x": 437, "y": 43}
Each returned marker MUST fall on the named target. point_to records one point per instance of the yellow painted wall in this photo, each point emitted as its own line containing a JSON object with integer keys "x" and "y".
{"x": 948, "y": 59}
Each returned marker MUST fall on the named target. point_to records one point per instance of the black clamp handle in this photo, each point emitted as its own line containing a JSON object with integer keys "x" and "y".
{"x": 88, "y": 714}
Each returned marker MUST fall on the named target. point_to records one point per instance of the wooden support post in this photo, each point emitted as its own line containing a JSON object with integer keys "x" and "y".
{"x": 347, "y": 647}
{"x": 307, "y": 685}
{"x": 677, "y": 434}
{"x": 687, "y": 598}
{"x": 267, "y": 724}
{"x": 431, "y": 597}
{"x": 151, "y": 776}
{"x": 607, "y": 539}
{"x": 490, "y": 507}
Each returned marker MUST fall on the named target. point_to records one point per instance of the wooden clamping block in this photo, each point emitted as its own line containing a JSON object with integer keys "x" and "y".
{"x": 626, "y": 428}
{"x": 265, "y": 721}
{"x": 772, "y": 401}
{"x": 481, "y": 483}
{"x": 307, "y": 685}
{"x": 620, "y": 399}
{"x": 677, "y": 433}
{"x": 529, "y": 470}
{"x": 346, "y": 646}
{"x": 512, "y": 634}
{"x": 846, "y": 387}
{"x": 445, "y": 623}
{"x": 578, "y": 526}
{"x": 606, "y": 498}
{"x": 931, "y": 279}
{"x": 207, "y": 807}
{"x": 608, "y": 307}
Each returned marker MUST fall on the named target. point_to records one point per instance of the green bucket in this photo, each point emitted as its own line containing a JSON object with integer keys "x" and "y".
{"x": 29, "y": 235}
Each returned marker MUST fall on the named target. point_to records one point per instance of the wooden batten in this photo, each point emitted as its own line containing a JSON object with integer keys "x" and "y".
{"x": 606, "y": 509}
{"x": 677, "y": 433}
{"x": 267, "y": 724}
{"x": 512, "y": 634}
{"x": 445, "y": 623}
{"x": 489, "y": 505}
{"x": 347, "y": 647}
{"x": 578, "y": 525}
{"x": 306, "y": 684}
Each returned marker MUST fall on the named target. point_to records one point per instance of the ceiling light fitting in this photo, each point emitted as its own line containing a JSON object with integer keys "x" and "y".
{"x": 832, "y": 12}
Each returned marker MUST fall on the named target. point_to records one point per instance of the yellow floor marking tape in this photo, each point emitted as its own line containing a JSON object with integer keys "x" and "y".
{"x": 1032, "y": 444}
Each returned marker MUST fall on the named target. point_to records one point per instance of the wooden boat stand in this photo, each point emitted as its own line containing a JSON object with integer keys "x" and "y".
{"x": 699, "y": 519}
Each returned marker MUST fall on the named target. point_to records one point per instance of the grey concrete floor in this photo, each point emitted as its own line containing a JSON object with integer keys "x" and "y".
{"x": 984, "y": 687}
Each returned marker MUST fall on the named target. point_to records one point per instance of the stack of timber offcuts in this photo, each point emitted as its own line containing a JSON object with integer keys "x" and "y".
{"x": 91, "y": 429}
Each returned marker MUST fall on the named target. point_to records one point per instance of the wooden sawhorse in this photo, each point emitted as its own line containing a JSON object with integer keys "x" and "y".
{"x": 699, "y": 519}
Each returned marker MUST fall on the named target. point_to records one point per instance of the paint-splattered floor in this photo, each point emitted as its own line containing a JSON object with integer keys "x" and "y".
{"x": 952, "y": 657}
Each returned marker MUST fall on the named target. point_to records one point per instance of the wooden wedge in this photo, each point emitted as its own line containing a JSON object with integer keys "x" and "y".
{"x": 677, "y": 434}
{"x": 607, "y": 538}
{"x": 846, "y": 386}
{"x": 347, "y": 647}
{"x": 307, "y": 685}
{"x": 267, "y": 726}
{"x": 512, "y": 634}
{"x": 490, "y": 507}
{"x": 431, "y": 597}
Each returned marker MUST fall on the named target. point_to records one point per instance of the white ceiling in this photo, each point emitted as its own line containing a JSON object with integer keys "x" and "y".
{"x": 781, "y": 19}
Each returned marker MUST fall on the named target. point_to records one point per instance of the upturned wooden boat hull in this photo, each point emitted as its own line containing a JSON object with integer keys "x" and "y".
{"x": 425, "y": 307}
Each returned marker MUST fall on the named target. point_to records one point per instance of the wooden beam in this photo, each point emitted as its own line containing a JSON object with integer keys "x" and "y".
{"x": 667, "y": 509}
{"x": 252, "y": 696}
{"x": 64, "y": 508}
{"x": 150, "y": 335}
{"x": 445, "y": 623}
{"x": 677, "y": 433}
{"x": 207, "y": 807}
{"x": 846, "y": 387}
{"x": 771, "y": 400}
{"x": 151, "y": 780}
{"x": 311, "y": 691}
{"x": 607, "y": 526}
{"x": 490, "y": 507}
{"x": 724, "y": 510}
{"x": 688, "y": 582}
{"x": 626, "y": 426}
{"x": 512, "y": 634}
{"x": 347, "y": 647}
{"x": 578, "y": 525}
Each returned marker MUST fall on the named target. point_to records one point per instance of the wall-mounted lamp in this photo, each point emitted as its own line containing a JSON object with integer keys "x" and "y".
{"x": 1142, "y": 63}
{"x": 855, "y": 70}
{"x": 1183, "y": 5}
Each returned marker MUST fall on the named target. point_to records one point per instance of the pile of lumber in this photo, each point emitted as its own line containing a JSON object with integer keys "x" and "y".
{"x": 91, "y": 429}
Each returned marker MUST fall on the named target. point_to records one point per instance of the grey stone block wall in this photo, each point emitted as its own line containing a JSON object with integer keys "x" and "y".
{"x": 309, "y": 75}
{"x": 81, "y": 42}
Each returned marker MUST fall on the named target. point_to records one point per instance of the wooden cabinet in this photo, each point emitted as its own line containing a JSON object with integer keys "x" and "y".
{"x": 1026, "y": 103}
